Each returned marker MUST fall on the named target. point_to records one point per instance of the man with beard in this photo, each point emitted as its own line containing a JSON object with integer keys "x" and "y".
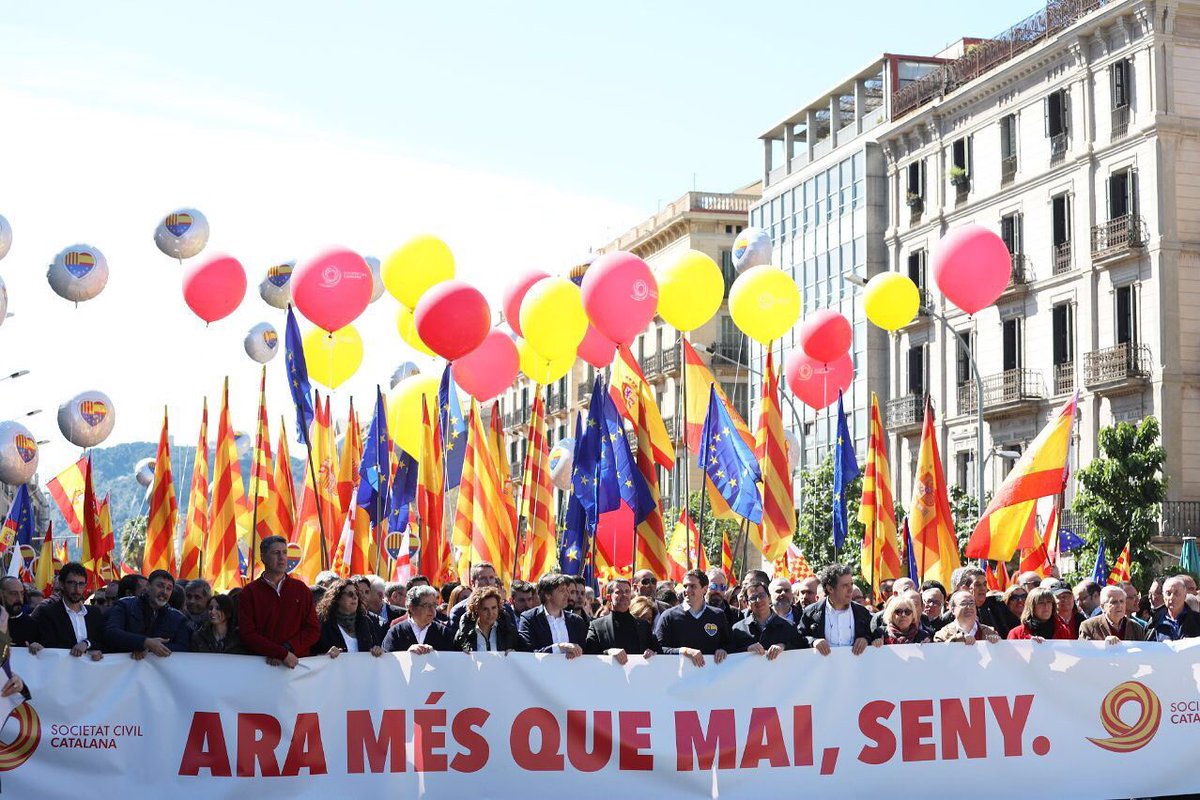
{"x": 718, "y": 585}
{"x": 619, "y": 633}
{"x": 65, "y": 623}
{"x": 12, "y": 595}
{"x": 145, "y": 623}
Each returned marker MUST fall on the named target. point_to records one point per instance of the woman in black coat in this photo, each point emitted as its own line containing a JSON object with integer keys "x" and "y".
{"x": 345, "y": 625}
{"x": 485, "y": 627}
{"x": 219, "y": 634}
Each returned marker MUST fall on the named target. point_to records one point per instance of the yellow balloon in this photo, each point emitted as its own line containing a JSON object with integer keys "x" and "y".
{"x": 408, "y": 331}
{"x": 420, "y": 263}
{"x": 690, "y": 290}
{"x": 539, "y": 369}
{"x": 553, "y": 319}
{"x": 404, "y": 410}
{"x": 764, "y": 302}
{"x": 333, "y": 357}
{"x": 891, "y": 300}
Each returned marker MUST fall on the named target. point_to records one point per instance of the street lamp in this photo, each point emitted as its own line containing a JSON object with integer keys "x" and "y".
{"x": 19, "y": 373}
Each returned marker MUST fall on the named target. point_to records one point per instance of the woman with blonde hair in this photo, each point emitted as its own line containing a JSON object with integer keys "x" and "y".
{"x": 902, "y": 622}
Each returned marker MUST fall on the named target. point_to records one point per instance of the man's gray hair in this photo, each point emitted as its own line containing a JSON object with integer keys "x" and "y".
{"x": 1112, "y": 591}
{"x": 376, "y": 582}
{"x": 960, "y": 575}
{"x": 417, "y": 593}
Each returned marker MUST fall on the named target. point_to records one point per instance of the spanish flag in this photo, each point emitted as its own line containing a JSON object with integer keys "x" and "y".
{"x": 537, "y": 500}
{"x": 44, "y": 579}
{"x": 876, "y": 511}
{"x": 351, "y": 457}
{"x": 195, "y": 527}
{"x": 221, "y": 550}
{"x": 779, "y": 509}
{"x": 1120, "y": 570}
{"x": 1039, "y": 473}
{"x": 631, "y": 395}
{"x": 159, "y": 552}
{"x": 685, "y": 550}
{"x": 67, "y": 490}
{"x": 930, "y": 521}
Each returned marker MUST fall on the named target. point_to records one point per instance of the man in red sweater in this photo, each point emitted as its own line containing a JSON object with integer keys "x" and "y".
{"x": 276, "y": 614}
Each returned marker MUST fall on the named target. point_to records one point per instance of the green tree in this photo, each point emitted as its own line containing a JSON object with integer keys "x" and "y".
{"x": 965, "y": 509}
{"x": 1120, "y": 497}
{"x": 814, "y": 532}
{"x": 711, "y": 530}
{"x": 133, "y": 540}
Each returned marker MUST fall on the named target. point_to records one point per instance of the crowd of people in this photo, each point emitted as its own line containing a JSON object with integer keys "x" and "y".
{"x": 282, "y": 619}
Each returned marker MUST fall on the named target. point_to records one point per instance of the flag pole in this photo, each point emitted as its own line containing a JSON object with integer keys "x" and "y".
{"x": 312, "y": 472}
{"x": 254, "y": 472}
{"x": 686, "y": 478}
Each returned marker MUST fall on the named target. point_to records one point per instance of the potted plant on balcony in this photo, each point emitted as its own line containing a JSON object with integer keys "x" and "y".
{"x": 958, "y": 176}
{"x": 914, "y": 201}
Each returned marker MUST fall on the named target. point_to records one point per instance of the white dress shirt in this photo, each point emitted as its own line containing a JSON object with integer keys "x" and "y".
{"x": 558, "y": 628}
{"x": 839, "y": 626}
{"x": 78, "y": 623}
{"x": 420, "y": 632}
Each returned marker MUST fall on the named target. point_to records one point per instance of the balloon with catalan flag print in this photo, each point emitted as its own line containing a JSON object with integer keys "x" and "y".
{"x": 78, "y": 273}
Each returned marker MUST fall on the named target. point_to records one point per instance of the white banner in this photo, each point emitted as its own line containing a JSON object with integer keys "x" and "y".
{"x": 1073, "y": 718}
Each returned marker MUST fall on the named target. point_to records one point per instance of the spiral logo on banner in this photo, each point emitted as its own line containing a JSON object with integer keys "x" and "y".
{"x": 29, "y": 734}
{"x": 1123, "y": 738}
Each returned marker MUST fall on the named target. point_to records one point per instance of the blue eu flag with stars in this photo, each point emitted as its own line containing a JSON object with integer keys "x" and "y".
{"x": 729, "y": 462}
{"x": 297, "y": 370}
{"x": 573, "y": 551}
{"x": 375, "y": 470}
{"x": 845, "y": 470}
{"x": 454, "y": 429}
{"x": 620, "y": 479}
{"x": 1101, "y": 570}
{"x": 404, "y": 491}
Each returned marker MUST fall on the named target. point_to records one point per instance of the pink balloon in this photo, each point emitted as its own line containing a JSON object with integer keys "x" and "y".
{"x": 817, "y": 383}
{"x": 452, "y": 319}
{"x": 595, "y": 349}
{"x": 620, "y": 295}
{"x": 490, "y": 368}
{"x": 332, "y": 289}
{"x": 515, "y": 293}
{"x": 825, "y": 335}
{"x": 972, "y": 267}
{"x": 214, "y": 288}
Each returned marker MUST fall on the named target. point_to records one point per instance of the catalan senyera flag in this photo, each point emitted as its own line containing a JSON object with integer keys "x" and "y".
{"x": 1120, "y": 571}
{"x": 44, "y": 578}
{"x": 195, "y": 527}
{"x": 770, "y": 448}
{"x": 351, "y": 457}
{"x": 434, "y": 559}
{"x": 876, "y": 511}
{"x": 331, "y": 511}
{"x": 481, "y": 517}
{"x": 631, "y": 394}
{"x": 1038, "y": 473}
{"x": 262, "y": 483}
{"x": 504, "y": 471}
{"x": 159, "y": 552}
{"x": 221, "y": 549}
{"x": 285, "y": 486}
{"x": 930, "y": 521}
{"x": 727, "y": 560}
{"x": 697, "y": 379}
{"x": 651, "y": 536}
{"x": 314, "y": 519}
{"x": 66, "y": 489}
{"x": 685, "y": 550}
{"x": 537, "y": 499}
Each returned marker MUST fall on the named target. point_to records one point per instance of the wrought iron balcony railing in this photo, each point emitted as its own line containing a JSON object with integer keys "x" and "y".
{"x": 1118, "y": 363}
{"x": 906, "y": 412}
{"x": 1118, "y": 236}
{"x": 1120, "y": 122}
{"x": 1064, "y": 378}
{"x": 1002, "y": 389}
{"x": 1062, "y": 258}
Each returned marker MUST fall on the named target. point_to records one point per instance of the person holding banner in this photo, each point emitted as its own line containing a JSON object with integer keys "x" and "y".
{"x": 65, "y": 622}
{"x": 421, "y": 632}
{"x": 12, "y": 595}
{"x": 346, "y": 627}
{"x": 902, "y": 621}
{"x": 966, "y": 627}
{"x": 550, "y": 627}
{"x": 763, "y": 631}
{"x": 219, "y": 634}
{"x": 276, "y": 615}
{"x": 693, "y": 629}
{"x": 839, "y": 621}
{"x": 619, "y": 632}
{"x": 145, "y": 623}
{"x": 1113, "y": 625}
{"x": 485, "y": 626}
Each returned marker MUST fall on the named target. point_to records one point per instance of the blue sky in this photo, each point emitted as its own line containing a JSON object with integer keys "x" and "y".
{"x": 522, "y": 133}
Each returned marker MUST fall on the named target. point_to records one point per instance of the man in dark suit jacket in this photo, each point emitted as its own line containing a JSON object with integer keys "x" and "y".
{"x": 620, "y": 633}
{"x": 58, "y": 623}
{"x": 420, "y": 632}
{"x": 550, "y": 628}
{"x": 836, "y": 621}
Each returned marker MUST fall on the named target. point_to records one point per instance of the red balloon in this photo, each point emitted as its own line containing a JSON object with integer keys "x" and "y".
{"x": 490, "y": 368}
{"x": 825, "y": 335}
{"x": 817, "y": 383}
{"x": 333, "y": 288}
{"x": 596, "y": 349}
{"x": 214, "y": 288}
{"x": 452, "y": 319}
{"x": 515, "y": 293}
{"x": 620, "y": 295}
{"x": 972, "y": 267}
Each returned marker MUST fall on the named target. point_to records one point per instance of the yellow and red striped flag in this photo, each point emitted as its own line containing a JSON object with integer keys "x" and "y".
{"x": 631, "y": 395}
{"x": 106, "y": 567}
{"x": 221, "y": 548}
{"x": 504, "y": 471}
{"x": 91, "y": 541}
{"x": 1120, "y": 571}
{"x": 481, "y": 517}
{"x": 66, "y": 489}
{"x": 434, "y": 559}
{"x": 537, "y": 499}
{"x": 262, "y": 483}
{"x": 651, "y": 534}
{"x": 876, "y": 511}
{"x": 284, "y": 484}
{"x": 347, "y": 474}
{"x": 930, "y": 521}
{"x": 44, "y": 579}
{"x": 770, "y": 448}
{"x": 685, "y": 548}
{"x": 159, "y": 552}
{"x": 1039, "y": 473}
{"x": 316, "y": 512}
{"x": 195, "y": 527}
{"x": 727, "y": 560}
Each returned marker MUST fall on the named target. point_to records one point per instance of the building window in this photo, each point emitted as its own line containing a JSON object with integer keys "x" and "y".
{"x": 1120, "y": 79}
{"x": 916, "y": 370}
{"x": 1122, "y": 194}
{"x": 1060, "y": 225}
{"x": 727, "y": 270}
{"x": 962, "y": 359}
{"x": 1008, "y": 148}
{"x": 916, "y": 269}
{"x": 1126, "y": 315}
{"x": 1063, "y": 347}
{"x": 739, "y": 396}
{"x": 915, "y": 186}
{"x": 1014, "y": 343}
{"x": 1012, "y": 232}
{"x": 964, "y": 470}
{"x": 960, "y": 165}
{"x": 1057, "y": 124}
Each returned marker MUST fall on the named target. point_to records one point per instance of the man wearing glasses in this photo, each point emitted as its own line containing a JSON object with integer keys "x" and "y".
{"x": 718, "y": 585}
{"x": 646, "y": 585}
{"x": 65, "y": 623}
{"x": 482, "y": 574}
{"x": 763, "y": 631}
{"x": 420, "y": 632}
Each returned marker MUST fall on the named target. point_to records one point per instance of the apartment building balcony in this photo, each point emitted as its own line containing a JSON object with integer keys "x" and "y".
{"x": 1011, "y": 391}
{"x": 1118, "y": 239}
{"x": 1064, "y": 378}
{"x": 916, "y": 205}
{"x": 1021, "y": 276}
{"x": 668, "y": 362}
{"x": 650, "y": 365}
{"x": 1180, "y": 518}
{"x": 1120, "y": 368}
{"x": 1120, "y": 122}
{"x": 906, "y": 414}
{"x": 513, "y": 419}
{"x": 556, "y": 403}
{"x": 1008, "y": 170}
{"x": 1058, "y": 147}
{"x": 921, "y": 318}
{"x": 672, "y": 426}
{"x": 583, "y": 391}
{"x": 1062, "y": 258}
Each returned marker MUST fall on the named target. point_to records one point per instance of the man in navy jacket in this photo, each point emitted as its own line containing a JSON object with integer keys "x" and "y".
{"x": 837, "y": 621}
{"x": 146, "y": 623}
{"x": 420, "y": 632}
{"x": 550, "y": 628}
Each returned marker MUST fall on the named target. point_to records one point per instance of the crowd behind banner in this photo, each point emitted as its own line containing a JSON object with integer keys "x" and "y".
{"x": 282, "y": 619}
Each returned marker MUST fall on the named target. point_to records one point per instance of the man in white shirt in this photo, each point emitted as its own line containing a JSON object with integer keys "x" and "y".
{"x": 420, "y": 632}
{"x": 550, "y": 627}
{"x": 839, "y": 621}
{"x": 65, "y": 622}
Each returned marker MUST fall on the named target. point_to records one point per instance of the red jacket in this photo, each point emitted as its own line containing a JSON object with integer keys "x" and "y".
{"x": 272, "y": 624}
{"x": 1061, "y": 631}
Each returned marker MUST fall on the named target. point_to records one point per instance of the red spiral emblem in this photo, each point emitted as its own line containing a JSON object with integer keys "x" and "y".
{"x": 1123, "y": 738}
{"x": 29, "y": 734}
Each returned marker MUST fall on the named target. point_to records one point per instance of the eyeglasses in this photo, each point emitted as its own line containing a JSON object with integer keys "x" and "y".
{"x": 646, "y": 581}
{"x": 717, "y": 587}
{"x": 1018, "y": 597}
{"x": 902, "y": 612}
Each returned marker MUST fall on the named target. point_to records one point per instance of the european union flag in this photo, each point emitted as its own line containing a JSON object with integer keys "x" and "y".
{"x": 18, "y": 525}
{"x": 1100, "y": 571}
{"x": 1068, "y": 541}
{"x": 845, "y": 470}
{"x": 297, "y": 370}
{"x": 729, "y": 462}
{"x": 573, "y": 554}
{"x": 619, "y": 477}
{"x": 589, "y": 443}
{"x": 912, "y": 557}
{"x": 454, "y": 429}
{"x": 404, "y": 491}
{"x": 376, "y": 469}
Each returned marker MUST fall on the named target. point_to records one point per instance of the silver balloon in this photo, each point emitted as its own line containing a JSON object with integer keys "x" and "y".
{"x": 78, "y": 273}
{"x": 262, "y": 342}
{"x": 144, "y": 472}
{"x": 562, "y": 461}
{"x": 751, "y": 248}
{"x": 182, "y": 233}
{"x": 87, "y": 419}
{"x": 3, "y": 301}
{"x": 5, "y": 237}
{"x": 403, "y": 371}
{"x": 18, "y": 454}
{"x": 793, "y": 450}
{"x": 376, "y": 278}
{"x": 243, "y": 442}
{"x": 276, "y": 288}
